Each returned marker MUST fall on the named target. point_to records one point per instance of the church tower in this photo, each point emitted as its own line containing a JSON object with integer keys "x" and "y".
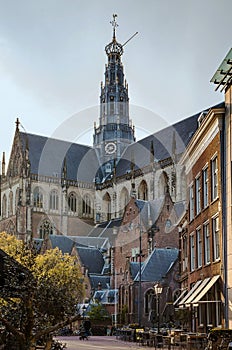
{"x": 115, "y": 131}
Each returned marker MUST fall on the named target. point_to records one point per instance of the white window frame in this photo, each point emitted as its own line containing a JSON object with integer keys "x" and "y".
{"x": 216, "y": 238}
{"x": 214, "y": 177}
{"x": 206, "y": 234}
{"x": 185, "y": 253}
{"x": 192, "y": 252}
{"x": 199, "y": 247}
{"x": 191, "y": 202}
{"x": 205, "y": 185}
{"x": 198, "y": 194}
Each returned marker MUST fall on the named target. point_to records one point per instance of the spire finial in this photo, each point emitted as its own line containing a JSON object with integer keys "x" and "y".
{"x": 114, "y": 24}
{"x": 3, "y": 164}
{"x": 17, "y": 124}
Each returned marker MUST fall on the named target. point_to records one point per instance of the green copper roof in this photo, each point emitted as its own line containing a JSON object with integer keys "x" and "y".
{"x": 223, "y": 76}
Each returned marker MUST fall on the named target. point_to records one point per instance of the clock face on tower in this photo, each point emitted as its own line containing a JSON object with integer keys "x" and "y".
{"x": 110, "y": 148}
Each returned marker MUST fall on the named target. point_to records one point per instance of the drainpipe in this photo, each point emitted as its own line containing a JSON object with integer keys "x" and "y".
{"x": 224, "y": 220}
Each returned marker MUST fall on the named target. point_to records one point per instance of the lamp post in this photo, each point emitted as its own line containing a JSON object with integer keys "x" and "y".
{"x": 140, "y": 277}
{"x": 158, "y": 291}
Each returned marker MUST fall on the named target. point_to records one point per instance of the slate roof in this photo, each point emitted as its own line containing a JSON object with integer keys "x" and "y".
{"x": 96, "y": 278}
{"x": 158, "y": 264}
{"x": 106, "y": 296}
{"x": 98, "y": 229}
{"x": 101, "y": 243}
{"x": 106, "y": 230}
{"x": 91, "y": 258}
{"x": 162, "y": 142}
{"x": 64, "y": 243}
{"x": 134, "y": 268}
{"x": 47, "y": 156}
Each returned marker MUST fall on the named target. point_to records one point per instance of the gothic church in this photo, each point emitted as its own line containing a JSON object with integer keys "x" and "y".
{"x": 52, "y": 186}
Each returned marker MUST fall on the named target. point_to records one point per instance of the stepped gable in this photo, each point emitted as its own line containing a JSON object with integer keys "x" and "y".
{"x": 158, "y": 264}
{"x": 47, "y": 156}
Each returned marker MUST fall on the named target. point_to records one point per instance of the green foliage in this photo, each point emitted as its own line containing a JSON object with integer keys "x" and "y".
{"x": 98, "y": 312}
{"x": 40, "y": 292}
{"x": 123, "y": 314}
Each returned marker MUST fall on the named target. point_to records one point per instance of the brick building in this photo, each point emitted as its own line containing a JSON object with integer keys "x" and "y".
{"x": 148, "y": 236}
{"x": 201, "y": 229}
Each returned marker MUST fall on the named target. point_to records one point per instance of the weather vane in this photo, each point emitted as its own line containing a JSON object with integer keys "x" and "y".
{"x": 114, "y": 23}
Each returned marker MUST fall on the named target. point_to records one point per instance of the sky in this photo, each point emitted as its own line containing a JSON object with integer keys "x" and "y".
{"x": 52, "y": 61}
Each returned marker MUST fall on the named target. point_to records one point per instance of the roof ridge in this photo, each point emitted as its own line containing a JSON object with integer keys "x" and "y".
{"x": 54, "y": 139}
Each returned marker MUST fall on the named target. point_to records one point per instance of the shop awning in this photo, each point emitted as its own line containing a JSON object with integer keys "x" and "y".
{"x": 212, "y": 281}
{"x": 188, "y": 302}
{"x": 198, "y": 291}
{"x": 180, "y": 297}
{"x": 196, "y": 285}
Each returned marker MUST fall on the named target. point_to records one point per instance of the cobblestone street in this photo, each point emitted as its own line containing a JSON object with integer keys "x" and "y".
{"x": 97, "y": 342}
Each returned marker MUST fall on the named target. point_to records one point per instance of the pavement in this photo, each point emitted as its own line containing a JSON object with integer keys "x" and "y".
{"x": 96, "y": 343}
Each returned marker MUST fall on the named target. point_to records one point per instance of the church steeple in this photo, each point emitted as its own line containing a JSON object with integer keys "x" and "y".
{"x": 115, "y": 131}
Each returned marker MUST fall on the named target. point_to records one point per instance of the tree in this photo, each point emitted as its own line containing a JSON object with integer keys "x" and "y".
{"x": 40, "y": 292}
{"x": 98, "y": 312}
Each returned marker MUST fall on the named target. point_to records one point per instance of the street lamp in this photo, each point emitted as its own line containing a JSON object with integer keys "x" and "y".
{"x": 158, "y": 291}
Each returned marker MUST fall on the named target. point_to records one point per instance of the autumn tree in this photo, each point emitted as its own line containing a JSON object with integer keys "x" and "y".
{"x": 39, "y": 294}
{"x": 98, "y": 312}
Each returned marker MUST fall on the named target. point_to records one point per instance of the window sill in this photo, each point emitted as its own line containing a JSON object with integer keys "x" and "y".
{"x": 216, "y": 261}
{"x": 214, "y": 200}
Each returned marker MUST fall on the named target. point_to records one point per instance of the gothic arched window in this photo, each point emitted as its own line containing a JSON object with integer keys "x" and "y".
{"x": 72, "y": 202}
{"x": 143, "y": 191}
{"x": 124, "y": 198}
{"x": 86, "y": 205}
{"x": 107, "y": 206}
{"x": 4, "y": 206}
{"x": 10, "y": 208}
{"x": 163, "y": 184}
{"x": 17, "y": 199}
{"x": 37, "y": 198}
{"x": 45, "y": 229}
{"x": 54, "y": 200}
{"x": 149, "y": 304}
